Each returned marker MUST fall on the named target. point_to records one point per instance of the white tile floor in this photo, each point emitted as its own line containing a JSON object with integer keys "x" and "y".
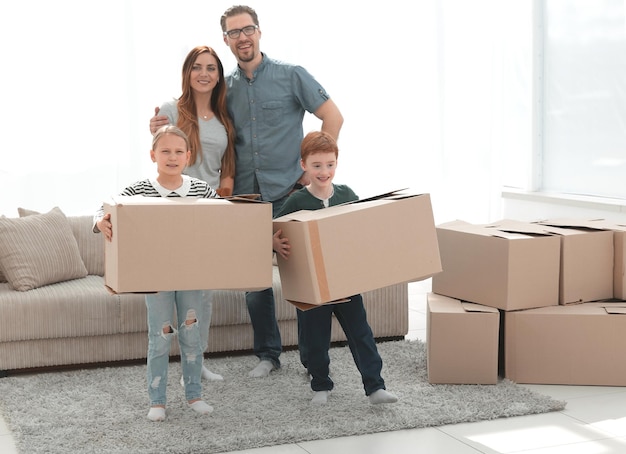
{"x": 594, "y": 422}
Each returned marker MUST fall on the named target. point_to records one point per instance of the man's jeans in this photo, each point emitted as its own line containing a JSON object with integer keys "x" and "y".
{"x": 262, "y": 310}
{"x": 267, "y": 341}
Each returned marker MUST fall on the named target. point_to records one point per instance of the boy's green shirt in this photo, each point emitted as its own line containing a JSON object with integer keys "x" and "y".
{"x": 304, "y": 200}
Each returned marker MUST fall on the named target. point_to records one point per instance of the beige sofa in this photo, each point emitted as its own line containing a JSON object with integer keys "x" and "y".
{"x": 65, "y": 316}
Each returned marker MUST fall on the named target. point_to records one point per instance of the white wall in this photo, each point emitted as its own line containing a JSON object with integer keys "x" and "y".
{"x": 436, "y": 94}
{"x": 578, "y": 159}
{"x": 415, "y": 84}
{"x": 537, "y": 206}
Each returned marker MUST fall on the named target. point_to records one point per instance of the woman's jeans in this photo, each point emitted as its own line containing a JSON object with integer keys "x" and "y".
{"x": 191, "y": 328}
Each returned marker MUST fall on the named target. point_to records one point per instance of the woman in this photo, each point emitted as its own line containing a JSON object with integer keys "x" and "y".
{"x": 201, "y": 113}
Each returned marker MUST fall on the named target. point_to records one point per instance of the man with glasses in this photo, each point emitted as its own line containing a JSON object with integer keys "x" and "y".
{"x": 267, "y": 100}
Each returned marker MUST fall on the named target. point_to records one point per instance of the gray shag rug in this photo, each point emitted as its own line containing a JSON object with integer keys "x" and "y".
{"x": 103, "y": 410}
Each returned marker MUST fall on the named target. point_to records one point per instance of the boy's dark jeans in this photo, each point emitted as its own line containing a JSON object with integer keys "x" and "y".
{"x": 314, "y": 336}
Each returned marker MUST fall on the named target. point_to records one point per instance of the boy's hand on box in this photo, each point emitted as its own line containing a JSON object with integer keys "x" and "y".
{"x": 281, "y": 245}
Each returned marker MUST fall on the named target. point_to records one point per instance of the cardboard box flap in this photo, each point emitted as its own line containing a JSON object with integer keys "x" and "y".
{"x": 580, "y": 224}
{"x": 308, "y": 306}
{"x": 569, "y": 230}
{"x": 299, "y": 216}
{"x": 133, "y": 200}
{"x": 508, "y": 235}
{"x": 454, "y": 225}
{"x": 385, "y": 195}
{"x": 312, "y": 215}
{"x": 526, "y": 228}
{"x": 456, "y": 222}
{"x": 473, "y": 307}
{"x": 442, "y": 303}
{"x": 615, "y": 309}
{"x": 397, "y": 194}
{"x": 595, "y": 224}
{"x": 253, "y": 198}
{"x": 140, "y": 200}
{"x": 509, "y": 231}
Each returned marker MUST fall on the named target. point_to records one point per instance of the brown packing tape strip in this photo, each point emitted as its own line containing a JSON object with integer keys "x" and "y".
{"x": 318, "y": 261}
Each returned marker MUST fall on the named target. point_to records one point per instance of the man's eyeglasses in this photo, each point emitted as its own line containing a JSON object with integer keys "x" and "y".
{"x": 235, "y": 32}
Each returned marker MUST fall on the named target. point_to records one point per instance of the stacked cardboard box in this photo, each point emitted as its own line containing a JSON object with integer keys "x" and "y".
{"x": 581, "y": 344}
{"x": 619, "y": 255}
{"x": 508, "y": 267}
{"x": 551, "y": 340}
{"x": 586, "y": 261}
{"x": 618, "y": 251}
{"x": 462, "y": 341}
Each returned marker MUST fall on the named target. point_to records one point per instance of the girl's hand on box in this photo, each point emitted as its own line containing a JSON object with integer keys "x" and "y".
{"x": 105, "y": 226}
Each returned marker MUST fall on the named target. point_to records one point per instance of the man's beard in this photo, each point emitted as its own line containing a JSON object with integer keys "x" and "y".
{"x": 246, "y": 56}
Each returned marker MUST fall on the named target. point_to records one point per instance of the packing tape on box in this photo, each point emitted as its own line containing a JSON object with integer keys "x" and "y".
{"x": 318, "y": 262}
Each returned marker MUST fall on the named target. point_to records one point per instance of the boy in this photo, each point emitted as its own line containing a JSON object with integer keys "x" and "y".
{"x": 318, "y": 158}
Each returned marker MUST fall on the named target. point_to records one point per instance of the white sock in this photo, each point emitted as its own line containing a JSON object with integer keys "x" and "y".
{"x": 262, "y": 369}
{"x": 156, "y": 414}
{"x": 208, "y": 375}
{"x": 382, "y": 396}
{"x": 320, "y": 397}
{"x": 200, "y": 406}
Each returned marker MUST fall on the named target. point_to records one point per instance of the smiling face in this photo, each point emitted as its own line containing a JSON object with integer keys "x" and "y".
{"x": 171, "y": 155}
{"x": 244, "y": 48}
{"x": 320, "y": 168}
{"x": 204, "y": 74}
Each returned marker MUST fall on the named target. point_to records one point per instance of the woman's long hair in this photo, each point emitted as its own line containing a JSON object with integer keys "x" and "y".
{"x": 188, "y": 113}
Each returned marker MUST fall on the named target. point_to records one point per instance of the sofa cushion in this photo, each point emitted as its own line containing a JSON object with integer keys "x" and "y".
{"x": 38, "y": 250}
{"x": 2, "y": 277}
{"x": 90, "y": 245}
{"x": 74, "y": 308}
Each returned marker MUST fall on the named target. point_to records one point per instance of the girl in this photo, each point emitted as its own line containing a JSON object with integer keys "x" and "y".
{"x": 171, "y": 153}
